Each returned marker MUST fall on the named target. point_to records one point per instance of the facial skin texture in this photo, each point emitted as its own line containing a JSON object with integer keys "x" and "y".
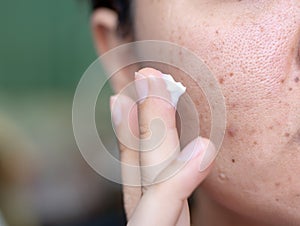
{"x": 252, "y": 47}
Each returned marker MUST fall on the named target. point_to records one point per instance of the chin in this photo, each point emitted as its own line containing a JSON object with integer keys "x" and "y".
{"x": 266, "y": 193}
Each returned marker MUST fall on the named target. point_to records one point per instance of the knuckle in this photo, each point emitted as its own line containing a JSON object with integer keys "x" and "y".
{"x": 145, "y": 131}
{"x": 131, "y": 197}
{"x": 122, "y": 147}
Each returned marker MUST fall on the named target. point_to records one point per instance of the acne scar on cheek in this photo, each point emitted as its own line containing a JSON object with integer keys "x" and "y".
{"x": 221, "y": 80}
{"x": 222, "y": 176}
{"x": 287, "y": 135}
{"x": 231, "y": 132}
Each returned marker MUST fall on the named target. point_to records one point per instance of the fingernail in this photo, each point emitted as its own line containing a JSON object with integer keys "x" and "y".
{"x": 191, "y": 150}
{"x": 210, "y": 154}
{"x": 116, "y": 110}
{"x": 141, "y": 85}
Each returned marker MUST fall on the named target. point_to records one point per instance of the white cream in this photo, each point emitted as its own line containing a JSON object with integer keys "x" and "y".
{"x": 176, "y": 89}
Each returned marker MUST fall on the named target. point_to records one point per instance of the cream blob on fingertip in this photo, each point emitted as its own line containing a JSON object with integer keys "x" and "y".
{"x": 176, "y": 89}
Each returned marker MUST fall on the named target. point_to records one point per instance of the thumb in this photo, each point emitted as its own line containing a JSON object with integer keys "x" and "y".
{"x": 189, "y": 169}
{"x": 163, "y": 202}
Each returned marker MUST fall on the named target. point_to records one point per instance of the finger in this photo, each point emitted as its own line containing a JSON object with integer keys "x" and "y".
{"x": 163, "y": 203}
{"x": 159, "y": 142}
{"x": 124, "y": 116}
{"x": 165, "y": 111}
{"x": 184, "y": 218}
{"x": 193, "y": 163}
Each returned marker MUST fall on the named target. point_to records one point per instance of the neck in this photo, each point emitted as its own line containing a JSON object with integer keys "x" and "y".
{"x": 207, "y": 212}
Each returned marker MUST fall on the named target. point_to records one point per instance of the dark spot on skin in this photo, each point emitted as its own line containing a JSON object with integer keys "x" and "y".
{"x": 233, "y": 105}
{"x": 231, "y": 74}
{"x": 277, "y": 184}
{"x": 292, "y": 49}
{"x": 271, "y": 127}
{"x": 287, "y": 135}
{"x": 277, "y": 200}
{"x": 290, "y": 89}
{"x": 233, "y": 160}
{"x": 255, "y": 142}
{"x": 297, "y": 195}
{"x": 217, "y": 32}
{"x": 261, "y": 29}
{"x": 296, "y": 79}
{"x": 221, "y": 80}
{"x": 282, "y": 81}
{"x": 231, "y": 132}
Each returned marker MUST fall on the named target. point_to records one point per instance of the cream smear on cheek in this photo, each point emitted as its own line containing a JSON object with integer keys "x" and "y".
{"x": 176, "y": 89}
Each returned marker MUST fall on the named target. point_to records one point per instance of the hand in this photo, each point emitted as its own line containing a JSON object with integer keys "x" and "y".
{"x": 151, "y": 203}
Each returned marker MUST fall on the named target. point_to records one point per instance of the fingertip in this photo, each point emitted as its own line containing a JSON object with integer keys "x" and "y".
{"x": 120, "y": 105}
{"x": 150, "y": 71}
{"x": 116, "y": 110}
{"x": 191, "y": 150}
{"x": 192, "y": 166}
{"x": 210, "y": 154}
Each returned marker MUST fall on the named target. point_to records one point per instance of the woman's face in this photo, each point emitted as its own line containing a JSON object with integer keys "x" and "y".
{"x": 252, "y": 47}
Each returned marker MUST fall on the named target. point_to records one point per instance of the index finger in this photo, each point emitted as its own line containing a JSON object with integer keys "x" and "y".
{"x": 157, "y": 123}
{"x": 124, "y": 116}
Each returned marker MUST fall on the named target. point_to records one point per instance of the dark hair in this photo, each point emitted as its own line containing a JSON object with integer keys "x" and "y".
{"x": 122, "y": 7}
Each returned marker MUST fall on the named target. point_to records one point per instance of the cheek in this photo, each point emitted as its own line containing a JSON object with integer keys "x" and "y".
{"x": 255, "y": 63}
{"x": 250, "y": 55}
{"x": 254, "y": 60}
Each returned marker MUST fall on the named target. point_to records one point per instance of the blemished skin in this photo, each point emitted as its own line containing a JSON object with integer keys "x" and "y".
{"x": 253, "y": 49}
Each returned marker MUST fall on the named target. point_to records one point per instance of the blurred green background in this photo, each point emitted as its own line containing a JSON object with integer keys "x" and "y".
{"x": 45, "y": 47}
{"x": 44, "y": 44}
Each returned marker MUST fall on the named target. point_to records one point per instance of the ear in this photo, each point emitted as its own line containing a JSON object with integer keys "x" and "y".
{"x": 104, "y": 24}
